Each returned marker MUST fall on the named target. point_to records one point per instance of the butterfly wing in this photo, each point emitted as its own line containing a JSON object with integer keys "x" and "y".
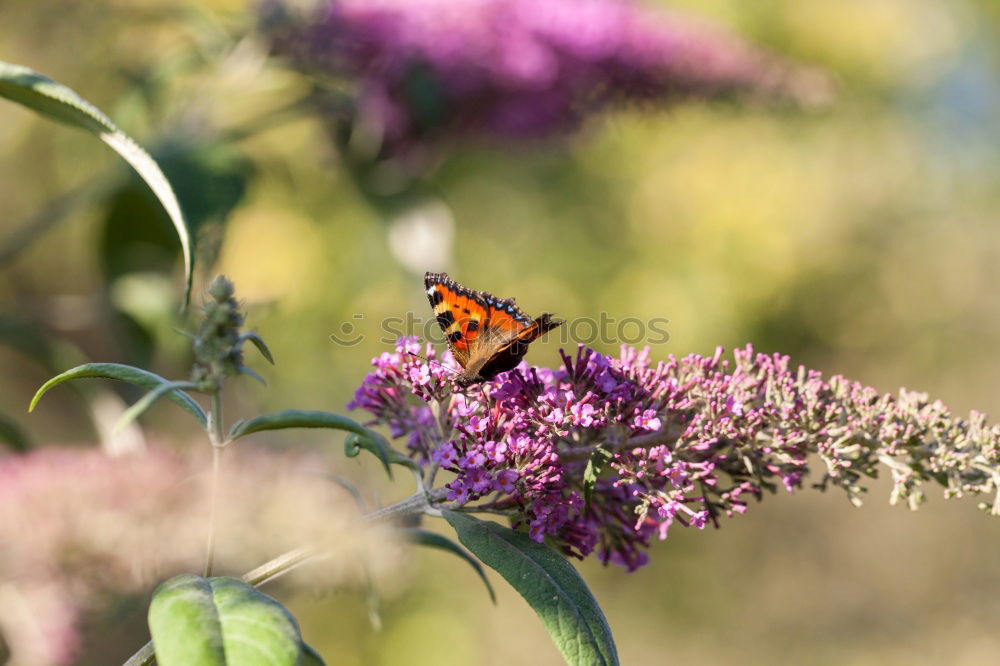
{"x": 510, "y": 350}
{"x": 487, "y": 335}
{"x": 461, "y": 313}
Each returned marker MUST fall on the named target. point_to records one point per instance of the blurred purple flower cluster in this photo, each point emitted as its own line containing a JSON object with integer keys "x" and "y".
{"x": 518, "y": 68}
{"x": 606, "y": 453}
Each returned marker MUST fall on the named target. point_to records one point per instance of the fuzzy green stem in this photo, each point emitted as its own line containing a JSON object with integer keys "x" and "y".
{"x": 415, "y": 504}
{"x": 218, "y": 442}
{"x": 146, "y": 656}
{"x": 280, "y": 565}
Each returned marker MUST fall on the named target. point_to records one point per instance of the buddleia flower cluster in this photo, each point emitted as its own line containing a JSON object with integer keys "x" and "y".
{"x": 604, "y": 454}
{"x": 515, "y": 69}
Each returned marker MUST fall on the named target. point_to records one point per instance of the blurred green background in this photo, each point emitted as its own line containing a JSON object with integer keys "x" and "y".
{"x": 861, "y": 239}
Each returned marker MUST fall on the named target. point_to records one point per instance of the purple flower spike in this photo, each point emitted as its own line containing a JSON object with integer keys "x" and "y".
{"x": 520, "y": 69}
{"x": 679, "y": 442}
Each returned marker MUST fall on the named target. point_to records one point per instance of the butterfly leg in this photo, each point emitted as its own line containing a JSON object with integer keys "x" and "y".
{"x": 488, "y": 401}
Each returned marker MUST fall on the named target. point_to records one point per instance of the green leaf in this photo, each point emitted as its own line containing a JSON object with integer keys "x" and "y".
{"x": 595, "y": 466}
{"x": 185, "y": 623}
{"x": 56, "y": 101}
{"x": 249, "y": 372}
{"x": 360, "y": 437}
{"x": 310, "y": 657}
{"x": 42, "y": 94}
{"x": 258, "y": 342}
{"x": 196, "y": 621}
{"x": 434, "y": 540}
{"x": 382, "y": 450}
{"x": 550, "y": 585}
{"x": 124, "y": 373}
{"x": 147, "y": 401}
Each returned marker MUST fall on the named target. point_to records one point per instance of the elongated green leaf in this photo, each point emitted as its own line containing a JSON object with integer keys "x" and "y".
{"x": 310, "y": 657}
{"x": 124, "y": 373}
{"x": 42, "y": 94}
{"x": 355, "y": 442}
{"x": 298, "y": 418}
{"x": 133, "y": 412}
{"x": 435, "y": 540}
{"x": 550, "y": 585}
{"x": 249, "y": 372}
{"x": 258, "y": 342}
{"x": 222, "y": 621}
{"x": 60, "y": 103}
{"x": 360, "y": 437}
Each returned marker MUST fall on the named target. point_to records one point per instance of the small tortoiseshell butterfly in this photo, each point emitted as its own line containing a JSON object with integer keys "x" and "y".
{"x": 486, "y": 335}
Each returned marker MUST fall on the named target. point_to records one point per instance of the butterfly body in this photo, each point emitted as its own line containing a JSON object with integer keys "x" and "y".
{"x": 487, "y": 335}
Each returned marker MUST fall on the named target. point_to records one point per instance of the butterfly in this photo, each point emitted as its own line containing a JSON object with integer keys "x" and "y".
{"x": 486, "y": 335}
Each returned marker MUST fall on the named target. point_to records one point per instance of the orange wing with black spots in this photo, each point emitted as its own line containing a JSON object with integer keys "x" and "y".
{"x": 468, "y": 317}
{"x": 486, "y": 335}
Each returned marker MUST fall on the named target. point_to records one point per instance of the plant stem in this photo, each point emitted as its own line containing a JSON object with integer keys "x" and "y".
{"x": 414, "y": 504}
{"x": 280, "y": 565}
{"x": 431, "y": 473}
{"x": 216, "y": 436}
{"x": 144, "y": 657}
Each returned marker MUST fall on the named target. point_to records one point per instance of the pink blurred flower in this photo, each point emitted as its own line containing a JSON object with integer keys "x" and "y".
{"x": 78, "y": 528}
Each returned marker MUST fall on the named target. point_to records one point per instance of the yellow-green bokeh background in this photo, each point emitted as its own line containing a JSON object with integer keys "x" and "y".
{"x": 860, "y": 238}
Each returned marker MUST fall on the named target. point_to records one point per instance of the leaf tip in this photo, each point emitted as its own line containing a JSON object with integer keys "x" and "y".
{"x": 34, "y": 400}
{"x": 253, "y": 374}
